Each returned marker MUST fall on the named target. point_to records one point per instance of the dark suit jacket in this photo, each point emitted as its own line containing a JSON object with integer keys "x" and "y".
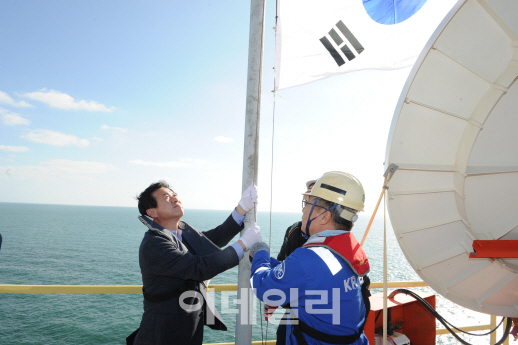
{"x": 168, "y": 264}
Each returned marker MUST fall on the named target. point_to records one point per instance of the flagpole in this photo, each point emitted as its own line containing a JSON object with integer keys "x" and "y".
{"x": 250, "y": 162}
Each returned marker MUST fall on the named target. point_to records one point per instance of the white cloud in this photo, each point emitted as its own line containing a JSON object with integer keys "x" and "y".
{"x": 182, "y": 163}
{"x": 161, "y": 164}
{"x": 194, "y": 161}
{"x": 58, "y": 170}
{"x": 79, "y": 167}
{"x": 45, "y": 136}
{"x": 56, "y": 99}
{"x": 12, "y": 119}
{"x": 6, "y": 148}
{"x": 6, "y": 99}
{"x": 116, "y": 129}
{"x": 223, "y": 139}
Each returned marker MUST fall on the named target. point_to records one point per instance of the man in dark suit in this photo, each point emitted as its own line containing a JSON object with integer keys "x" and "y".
{"x": 176, "y": 260}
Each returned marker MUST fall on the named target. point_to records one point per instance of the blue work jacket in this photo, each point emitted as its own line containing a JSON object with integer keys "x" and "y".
{"x": 318, "y": 284}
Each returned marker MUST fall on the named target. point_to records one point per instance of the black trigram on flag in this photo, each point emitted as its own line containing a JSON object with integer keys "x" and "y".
{"x": 341, "y": 44}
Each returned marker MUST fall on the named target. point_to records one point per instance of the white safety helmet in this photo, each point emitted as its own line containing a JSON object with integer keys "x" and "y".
{"x": 343, "y": 189}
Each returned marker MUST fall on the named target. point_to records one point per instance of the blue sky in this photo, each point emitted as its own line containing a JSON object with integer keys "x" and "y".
{"x": 100, "y": 99}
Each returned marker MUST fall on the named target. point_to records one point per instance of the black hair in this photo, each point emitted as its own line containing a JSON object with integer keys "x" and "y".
{"x": 339, "y": 222}
{"x": 146, "y": 200}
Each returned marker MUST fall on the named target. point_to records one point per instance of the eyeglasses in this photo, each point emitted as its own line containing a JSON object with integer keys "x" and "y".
{"x": 306, "y": 203}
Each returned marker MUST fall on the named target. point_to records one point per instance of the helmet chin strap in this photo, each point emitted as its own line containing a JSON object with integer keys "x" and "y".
{"x": 311, "y": 212}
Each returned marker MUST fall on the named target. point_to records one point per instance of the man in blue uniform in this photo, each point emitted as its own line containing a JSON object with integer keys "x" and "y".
{"x": 325, "y": 280}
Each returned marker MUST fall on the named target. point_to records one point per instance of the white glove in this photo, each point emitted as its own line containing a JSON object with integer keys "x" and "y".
{"x": 249, "y": 198}
{"x": 251, "y": 236}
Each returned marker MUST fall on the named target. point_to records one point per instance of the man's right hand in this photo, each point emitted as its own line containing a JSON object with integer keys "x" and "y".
{"x": 249, "y": 198}
{"x": 251, "y": 236}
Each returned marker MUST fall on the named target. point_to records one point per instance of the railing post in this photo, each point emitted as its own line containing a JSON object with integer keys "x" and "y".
{"x": 492, "y": 338}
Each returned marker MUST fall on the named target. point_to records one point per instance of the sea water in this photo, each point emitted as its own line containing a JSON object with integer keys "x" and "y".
{"x": 94, "y": 245}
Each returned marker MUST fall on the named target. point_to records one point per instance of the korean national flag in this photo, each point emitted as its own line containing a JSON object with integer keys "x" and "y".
{"x": 320, "y": 39}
